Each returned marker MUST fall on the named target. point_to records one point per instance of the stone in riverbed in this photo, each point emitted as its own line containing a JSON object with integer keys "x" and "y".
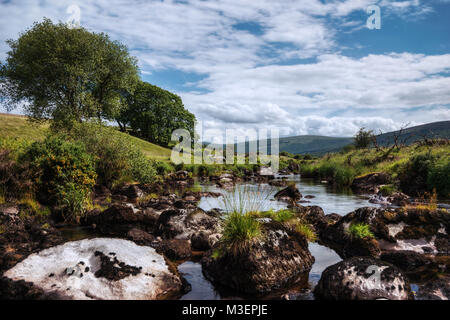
{"x": 279, "y": 259}
{"x": 291, "y": 192}
{"x": 101, "y": 268}
{"x": 363, "y": 278}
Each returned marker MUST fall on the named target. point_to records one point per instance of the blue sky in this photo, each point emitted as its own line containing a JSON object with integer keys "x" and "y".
{"x": 304, "y": 67}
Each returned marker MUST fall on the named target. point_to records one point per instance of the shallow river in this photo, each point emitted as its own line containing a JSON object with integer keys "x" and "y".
{"x": 329, "y": 199}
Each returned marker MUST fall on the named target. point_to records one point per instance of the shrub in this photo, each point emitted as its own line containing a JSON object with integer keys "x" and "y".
{"x": 73, "y": 200}
{"x": 413, "y": 175}
{"x": 117, "y": 159}
{"x": 359, "y": 231}
{"x": 239, "y": 231}
{"x": 15, "y": 178}
{"x": 163, "y": 168}
{"x": 439, "y": 177}
{"x": 387, "y": 190}
{"x": 56, "y": 162}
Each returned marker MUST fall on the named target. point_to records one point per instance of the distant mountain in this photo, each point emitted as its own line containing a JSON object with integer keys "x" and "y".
{"x": 319, "y": 145}
{"x": 410, "y": 135}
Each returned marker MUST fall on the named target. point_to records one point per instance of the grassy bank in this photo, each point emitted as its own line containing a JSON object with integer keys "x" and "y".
{"x": 417, "y": 168}
{"x": 18, "y": 127}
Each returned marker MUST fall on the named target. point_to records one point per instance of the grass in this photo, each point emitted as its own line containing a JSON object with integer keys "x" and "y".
{"x": 359, "y": 231}
{"x": 306, "y": 230}
{"x": 244, "y": 199}
{"x": 18, "y": 127}
{"x": 239, "y": 231}
{"x": 343, "y": 167}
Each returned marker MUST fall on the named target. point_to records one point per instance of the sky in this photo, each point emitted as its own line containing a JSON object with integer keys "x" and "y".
{"x": 302, "y": 66}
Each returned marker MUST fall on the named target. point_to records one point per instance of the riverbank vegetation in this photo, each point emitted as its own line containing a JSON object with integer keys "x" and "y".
{"x": 414, "y": 169}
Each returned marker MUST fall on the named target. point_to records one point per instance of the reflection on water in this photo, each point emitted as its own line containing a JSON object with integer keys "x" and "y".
{"x": 331, "y": 200}
{"x": 202, "y": 289}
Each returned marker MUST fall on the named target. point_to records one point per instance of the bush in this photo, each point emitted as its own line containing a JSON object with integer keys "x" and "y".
{"x": 359, "y": 231}
{"x": 54, "y": 163}
{"x": 387, "y": 190}
{"x": 413, "y": 175}
{"x": 439, "y": 178}
{"x": 163, "y": 168}
{"x": 117, "y": 159}
{"x": 239, "y": 231}
{"x": 15, "y": 178}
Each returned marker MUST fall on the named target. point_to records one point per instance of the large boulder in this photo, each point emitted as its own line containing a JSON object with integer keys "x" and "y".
{"x": 363, "y": 278}
{"x": 280, "y": 258}
{"x": 119, "y": 219}
{"x": 415, "y": 240}
{"x": 182, "y": 224}
{"x": 101, "y": 268}
{"x": 371, "y": 182}
{"x": 437, "y": 289}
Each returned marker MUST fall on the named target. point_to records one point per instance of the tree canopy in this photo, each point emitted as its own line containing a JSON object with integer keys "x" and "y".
{"x": 363, "y": 138}
{"x": 67, "y": 74}
{"x": 153, "y": 113}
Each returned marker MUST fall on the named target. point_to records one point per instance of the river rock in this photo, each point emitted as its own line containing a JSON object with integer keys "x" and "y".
{"x": 280, "y": 258}
{"x": 371, "y": 182}
{"x": 182, "y": 224}
{"x": 437, "y": 289}
{"x": 101, "y": 268}
{"x": 175, "y": 249}
{"x": 362, "y": 278}
{"x": 290, "y": 193}
{"x": 395, "y": 230}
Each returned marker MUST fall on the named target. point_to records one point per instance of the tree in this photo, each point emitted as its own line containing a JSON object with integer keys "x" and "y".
{"x": 67, "y": 74}
{"x": 153, "y": 113}
{"x": 363, "y": 138}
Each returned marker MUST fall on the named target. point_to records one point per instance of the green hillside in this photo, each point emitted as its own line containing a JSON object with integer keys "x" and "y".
{"x": 17, "y": 126}
{"x": 410, "y": 135}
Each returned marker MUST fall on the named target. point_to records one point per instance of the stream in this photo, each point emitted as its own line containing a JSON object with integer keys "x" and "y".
{"x": 331, "y": 200}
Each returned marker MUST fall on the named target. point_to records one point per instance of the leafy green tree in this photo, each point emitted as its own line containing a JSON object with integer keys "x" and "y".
{"x": 153, "y": 113}
{"x": 67, "y": 74}
{"x": 363, "y": 138}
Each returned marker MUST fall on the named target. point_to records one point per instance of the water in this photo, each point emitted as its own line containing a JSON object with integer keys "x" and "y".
{"x": 331, "y": 200}
{"x": 340, "y": 201}
{"x": 202, "y": 289}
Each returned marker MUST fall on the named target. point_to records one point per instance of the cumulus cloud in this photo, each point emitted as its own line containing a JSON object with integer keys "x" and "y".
{"x": 248, "y": 79}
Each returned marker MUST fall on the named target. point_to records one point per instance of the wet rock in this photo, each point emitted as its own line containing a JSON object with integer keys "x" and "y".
{"x": 397, "y": 232}
{"x": 416, "y": 266}
{"x": 279, "y": 259}
{"x": 181, "y": 224}
{"x": 118, "y": 269}
{"x": 21, "y": 236}
{"x": 396, "y": 199}
{"x": 309, "y": 197}
{"x": 119, "y": 219}
{"x": 140, "y": 237}
{"x": 362, "y": 278}
{"x": 437, "y": 289}
{"x": 200, "y": 241}
{"x": 133, "y": 192}
{"x": 371, "y": 182}
{"x": 175, "y": 249}
{"x": 291, "y": 192}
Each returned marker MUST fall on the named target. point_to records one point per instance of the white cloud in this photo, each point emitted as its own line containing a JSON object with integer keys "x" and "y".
{"x": 245, "y": 84}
